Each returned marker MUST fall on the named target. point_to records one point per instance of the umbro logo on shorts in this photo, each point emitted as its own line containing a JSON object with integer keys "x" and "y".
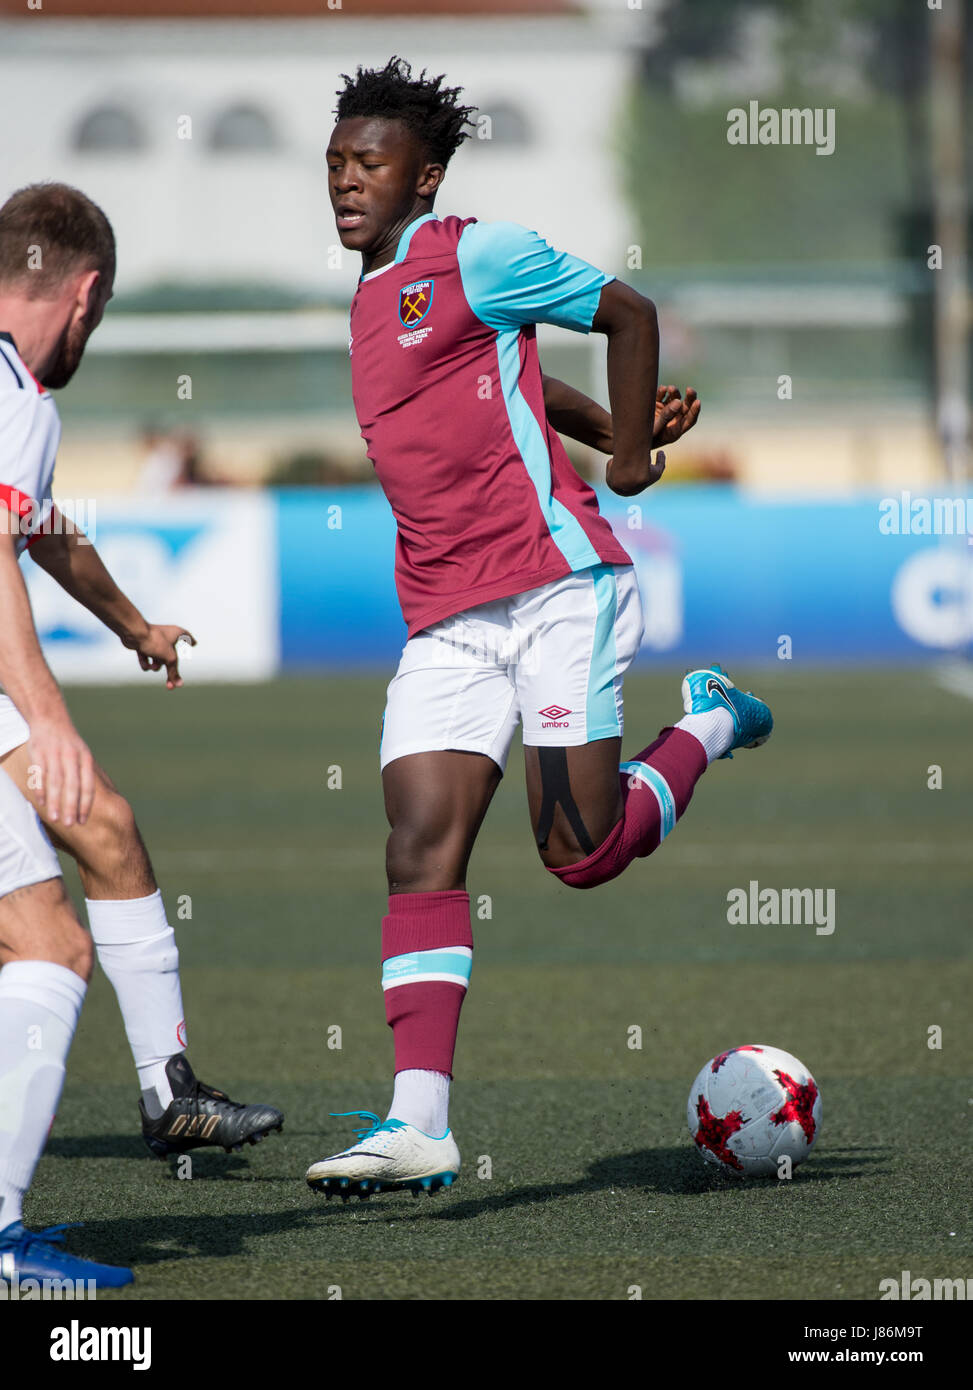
{"x": 554, "y": 714}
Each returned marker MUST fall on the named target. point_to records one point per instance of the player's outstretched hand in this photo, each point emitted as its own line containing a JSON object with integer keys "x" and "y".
{"x": 62, "y": 771}
{"x": 157, "y": 648}
{"x": 673, "y": 415}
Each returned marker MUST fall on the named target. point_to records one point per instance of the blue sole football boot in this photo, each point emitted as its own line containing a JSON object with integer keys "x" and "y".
{"x": 35, "y": 1255}
{"x": 390, "y": 1156}
{"x": 710, "y": 688}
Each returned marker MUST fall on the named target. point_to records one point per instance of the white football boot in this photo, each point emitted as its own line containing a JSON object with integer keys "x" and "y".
{"x": 389, "y": 1156}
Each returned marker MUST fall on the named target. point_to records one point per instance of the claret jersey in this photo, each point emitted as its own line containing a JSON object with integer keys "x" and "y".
{"x": 30, "y": 432}
{"x": 449, "y": 396}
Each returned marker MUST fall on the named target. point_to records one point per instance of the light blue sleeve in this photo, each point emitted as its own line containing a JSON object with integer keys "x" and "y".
{"x": 512, "y": 277}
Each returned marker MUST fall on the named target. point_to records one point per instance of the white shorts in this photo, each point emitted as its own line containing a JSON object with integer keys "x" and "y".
{"x": 13, "y": 725}
{"x": 26, "y": 854}
{"x": 552, "y": 659}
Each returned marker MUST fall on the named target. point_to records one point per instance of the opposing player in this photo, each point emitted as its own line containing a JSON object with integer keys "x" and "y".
{"x": 57, "y": 264}
{"x": 521, "y": 604}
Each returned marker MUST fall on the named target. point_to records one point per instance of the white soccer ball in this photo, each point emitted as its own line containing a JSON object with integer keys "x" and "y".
{"x": 751, "y": 1107}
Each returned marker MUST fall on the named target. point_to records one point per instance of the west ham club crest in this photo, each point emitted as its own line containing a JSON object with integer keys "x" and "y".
{"x": 415, "y": 302}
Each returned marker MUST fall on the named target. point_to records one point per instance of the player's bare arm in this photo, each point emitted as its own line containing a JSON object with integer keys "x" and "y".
{"x": 576, "y": 415}
{"x": 631, "y": 324}
{"x": 573, "y": 413}
{"x": 66, "y": 768}
{"x": 69, "y": 557}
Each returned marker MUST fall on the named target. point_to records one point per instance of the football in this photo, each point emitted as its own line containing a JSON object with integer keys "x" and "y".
{"x": 752, "y": 1107}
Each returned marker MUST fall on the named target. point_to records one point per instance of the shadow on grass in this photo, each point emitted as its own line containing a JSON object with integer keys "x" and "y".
{"x": 208, "y": 1165}
{"x": 679, "y": 1171}
{"x": 96, "y": 1146}
{"x": 150, "y": 1240}
{"x": 673, "y": 1171}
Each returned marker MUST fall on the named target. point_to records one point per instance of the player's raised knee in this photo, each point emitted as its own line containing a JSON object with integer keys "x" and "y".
{"x": 111, "y": 827}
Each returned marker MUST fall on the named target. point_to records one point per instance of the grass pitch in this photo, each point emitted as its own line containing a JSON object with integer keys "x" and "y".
{"x": 580, "y": 1179}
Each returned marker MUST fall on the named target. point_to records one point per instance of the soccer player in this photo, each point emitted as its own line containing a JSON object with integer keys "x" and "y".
{"x": 57, "y": 265}
{"x": 521, "y": 604}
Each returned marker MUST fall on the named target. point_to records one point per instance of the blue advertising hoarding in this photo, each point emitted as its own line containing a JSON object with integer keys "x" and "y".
{"x": 723, "y": 576}
{"x": 304, "y": 579}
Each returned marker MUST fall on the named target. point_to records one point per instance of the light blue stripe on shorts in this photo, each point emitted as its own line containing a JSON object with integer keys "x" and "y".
{"x": 601, "y": 717}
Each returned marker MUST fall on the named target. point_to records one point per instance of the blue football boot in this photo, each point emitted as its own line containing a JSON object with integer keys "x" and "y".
{"x": 34, "y": 1255}
{"x": 710, "y": 688}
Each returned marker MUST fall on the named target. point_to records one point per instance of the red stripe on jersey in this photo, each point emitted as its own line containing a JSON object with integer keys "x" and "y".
{"x": 15, "y": 501}
{"x": 41, "y": 390}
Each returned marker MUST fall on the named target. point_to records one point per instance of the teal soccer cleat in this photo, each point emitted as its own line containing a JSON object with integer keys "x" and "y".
{"x": 710, "y": 688}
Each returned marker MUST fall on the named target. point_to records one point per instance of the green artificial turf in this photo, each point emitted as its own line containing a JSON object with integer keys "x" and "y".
{"x": 580, "y": 1179}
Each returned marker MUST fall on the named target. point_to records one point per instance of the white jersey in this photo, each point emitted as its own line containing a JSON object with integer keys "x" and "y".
{"x": 30, "y": 432}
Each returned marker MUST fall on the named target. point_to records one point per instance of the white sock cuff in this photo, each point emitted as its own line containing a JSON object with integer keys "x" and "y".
{"x": 43, "y": 982}
{"x": 713, "y": 729}
{"x": 421, "y": 1098}
{"x": 123, "y": 921}
{"x": 15, "y": 1177}
{"x": 437, "y": 1081}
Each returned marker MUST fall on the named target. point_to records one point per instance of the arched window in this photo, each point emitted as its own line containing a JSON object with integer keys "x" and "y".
{"x": 243, "y": 128}
{"x": 108, "y": 130}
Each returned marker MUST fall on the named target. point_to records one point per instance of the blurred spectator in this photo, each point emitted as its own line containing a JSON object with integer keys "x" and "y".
{"x": 172, "y": 462}
{"x": 311, "y": 468}
{"x": 162, "y": 464}
{"x": 710, "y": 466}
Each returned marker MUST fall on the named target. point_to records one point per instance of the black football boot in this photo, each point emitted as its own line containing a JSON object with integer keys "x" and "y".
{"x": 199, "y": 1116}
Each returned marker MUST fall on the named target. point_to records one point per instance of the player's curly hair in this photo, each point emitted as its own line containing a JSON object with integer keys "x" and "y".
{"x": 430, "y": 110}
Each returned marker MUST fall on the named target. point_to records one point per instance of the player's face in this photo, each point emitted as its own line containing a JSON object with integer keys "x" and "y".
{"x": 84, "y": 320}
{"x": 378, "y": 177}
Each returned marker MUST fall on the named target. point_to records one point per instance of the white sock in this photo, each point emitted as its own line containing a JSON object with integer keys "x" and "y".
{"x": 713, "y": 729}
{"x": 137, "y": 951}
{"x": 39, "y": 1007}
{"x": 421, "y": 1098}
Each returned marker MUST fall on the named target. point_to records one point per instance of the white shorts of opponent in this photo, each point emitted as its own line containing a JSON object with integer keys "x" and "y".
{"x": 552, "y": 659}
{"x": 26, "y": 854}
